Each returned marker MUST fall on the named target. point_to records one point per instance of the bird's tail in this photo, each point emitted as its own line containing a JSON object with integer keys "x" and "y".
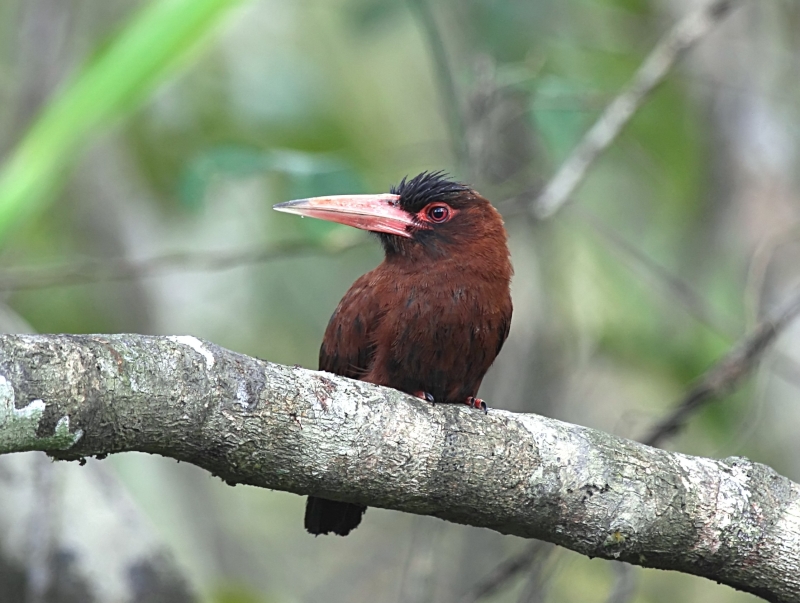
{"x": 324, "y": 516}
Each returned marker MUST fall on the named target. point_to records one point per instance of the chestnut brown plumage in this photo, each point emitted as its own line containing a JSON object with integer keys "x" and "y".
{"x": 432, "y": 317}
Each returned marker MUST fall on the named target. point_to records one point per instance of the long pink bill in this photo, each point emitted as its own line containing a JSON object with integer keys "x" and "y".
{"x": 378, "y": 213}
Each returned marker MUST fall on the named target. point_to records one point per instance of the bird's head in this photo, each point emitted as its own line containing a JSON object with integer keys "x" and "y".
{"x": 428, "y": 216}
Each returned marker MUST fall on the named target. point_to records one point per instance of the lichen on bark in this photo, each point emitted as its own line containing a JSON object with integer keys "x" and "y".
{"x": 19, "y": 426}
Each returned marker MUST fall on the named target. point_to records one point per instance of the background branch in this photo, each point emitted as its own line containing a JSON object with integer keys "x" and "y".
{"x": 96, "y": 270}
{"x": 650, "y": 74}
{"x": 250, "y": 421}
{"x": 505, "y": 571}
{"x": 717, "y": 381}
{"x": 726, "y": 373}
{"x": 451, "y": 105}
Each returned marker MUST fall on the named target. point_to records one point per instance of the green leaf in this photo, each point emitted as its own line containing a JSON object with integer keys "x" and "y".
{"x": 142, "y": 55}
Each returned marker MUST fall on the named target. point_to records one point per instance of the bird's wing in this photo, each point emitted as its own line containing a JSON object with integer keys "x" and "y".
{"x": 347, "y": 347}
{"x": 504, "y": 327}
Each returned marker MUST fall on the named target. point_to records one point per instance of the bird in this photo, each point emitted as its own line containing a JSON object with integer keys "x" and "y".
{"x": 432, "y": 317}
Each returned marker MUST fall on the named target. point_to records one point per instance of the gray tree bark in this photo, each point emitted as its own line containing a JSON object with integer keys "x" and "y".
{"x": 254, "y": 422}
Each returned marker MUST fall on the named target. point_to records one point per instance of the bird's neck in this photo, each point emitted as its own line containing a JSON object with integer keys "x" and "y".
{"x": 478, "y": 260}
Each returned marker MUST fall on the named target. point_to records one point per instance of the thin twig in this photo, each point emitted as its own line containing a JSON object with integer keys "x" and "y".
{"x": 787, "y": 369}
{"x": 451, "y": 105}
{"x": 541, "y": 576}
{"x": 505, "y": 571}
{"x": 760, "y": 263}
{"x": 726, "y": 373}
{"x": 95, "y": 270}
{"x": 650, "y": 74}
{"x": 677, "y": 288}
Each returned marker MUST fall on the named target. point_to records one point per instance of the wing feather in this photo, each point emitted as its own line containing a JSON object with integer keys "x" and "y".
{"x": 348, "y": 348}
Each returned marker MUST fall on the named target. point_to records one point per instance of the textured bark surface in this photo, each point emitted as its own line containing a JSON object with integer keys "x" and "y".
{"x": 250, "y": 421}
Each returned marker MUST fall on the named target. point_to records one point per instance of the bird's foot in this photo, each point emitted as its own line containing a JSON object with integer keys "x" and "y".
{"x": 425, "y": 396}
{"x": 474, "y": 402}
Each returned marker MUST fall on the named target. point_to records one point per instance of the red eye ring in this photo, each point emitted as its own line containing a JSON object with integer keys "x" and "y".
{"x": 438, "y": 212}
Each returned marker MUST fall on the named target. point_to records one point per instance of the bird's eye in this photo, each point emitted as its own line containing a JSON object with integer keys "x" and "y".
{"x": 438, "y": 213}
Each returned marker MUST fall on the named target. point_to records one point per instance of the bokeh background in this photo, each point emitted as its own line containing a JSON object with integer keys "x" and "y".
{"x": 142, "y": 145}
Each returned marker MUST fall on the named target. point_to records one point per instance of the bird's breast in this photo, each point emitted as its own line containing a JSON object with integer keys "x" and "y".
{"x": 439, "y": 335}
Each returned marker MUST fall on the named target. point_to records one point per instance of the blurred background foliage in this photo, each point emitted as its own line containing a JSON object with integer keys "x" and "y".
{"x": 131, "y": 129}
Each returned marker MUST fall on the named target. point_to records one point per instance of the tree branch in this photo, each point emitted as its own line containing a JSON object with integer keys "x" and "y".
{"x": 451, "y": 105}
{"x": 254, "y": 422}
{"x": 118, "y": 269}
{"x": 718, "y": 380}
{"x": 505, "y": 571}
{"x": 727, "y": 372}
{"x": 616, "y": 116}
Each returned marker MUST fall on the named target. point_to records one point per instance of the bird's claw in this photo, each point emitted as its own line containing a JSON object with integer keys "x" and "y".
{"x": 474, "y": 402}
{"x": 426, "y": 396}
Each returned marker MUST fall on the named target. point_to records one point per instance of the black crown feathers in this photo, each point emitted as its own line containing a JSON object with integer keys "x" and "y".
{"x": 426, "y": 188}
